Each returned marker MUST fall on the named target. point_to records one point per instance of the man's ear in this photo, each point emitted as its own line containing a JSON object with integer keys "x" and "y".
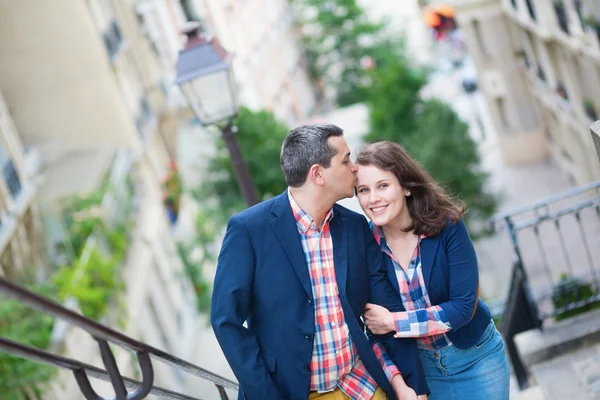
{"x": 315, "y": 175}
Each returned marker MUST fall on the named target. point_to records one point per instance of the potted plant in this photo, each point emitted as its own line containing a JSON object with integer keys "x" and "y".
{"x": 570, "y": 291}
{"x": 590, "y": 109}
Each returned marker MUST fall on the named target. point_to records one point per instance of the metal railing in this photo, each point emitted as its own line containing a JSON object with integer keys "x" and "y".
{"x": 104, "y": 335}
{"x": 556, "y": 268}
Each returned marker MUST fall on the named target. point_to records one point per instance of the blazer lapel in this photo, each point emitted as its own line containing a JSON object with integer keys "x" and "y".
{"x": 428, "y": 249}
{"x": 285, "y": 229}
{"x": 391, "y": 271}
{"x": 339, "y": 236}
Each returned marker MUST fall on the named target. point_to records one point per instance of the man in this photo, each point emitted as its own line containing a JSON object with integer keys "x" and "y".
{"x": 300, "y": 269}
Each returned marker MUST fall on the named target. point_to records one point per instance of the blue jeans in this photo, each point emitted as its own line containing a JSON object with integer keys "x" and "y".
{"x": 478, "y": 373}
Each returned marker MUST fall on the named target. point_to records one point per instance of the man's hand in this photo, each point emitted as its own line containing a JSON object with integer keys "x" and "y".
{"x": 422, "y": 397}
{"x": 379, "y": 320}
{"x": 402, "y": 391}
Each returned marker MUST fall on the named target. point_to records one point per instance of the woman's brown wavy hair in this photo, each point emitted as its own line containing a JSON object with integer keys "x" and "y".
{"x": 429, "y": 206}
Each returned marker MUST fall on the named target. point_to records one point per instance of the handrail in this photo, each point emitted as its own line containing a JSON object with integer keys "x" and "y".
{"x": 546, "y": 202}
{"x": 102, "y": 334}
{"x": 35, "y": 354}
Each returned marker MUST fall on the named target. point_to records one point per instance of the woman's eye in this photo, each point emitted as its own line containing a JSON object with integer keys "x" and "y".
{"x": 383, "y": 186}
{"x": 363, "y": 190}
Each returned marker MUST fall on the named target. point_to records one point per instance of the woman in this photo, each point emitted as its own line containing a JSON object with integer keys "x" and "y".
{"x": 432, "y": 263}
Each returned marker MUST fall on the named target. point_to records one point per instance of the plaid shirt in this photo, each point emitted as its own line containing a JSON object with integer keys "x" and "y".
{"x": 335, "y": 361}
{"x": 421, "y": 320}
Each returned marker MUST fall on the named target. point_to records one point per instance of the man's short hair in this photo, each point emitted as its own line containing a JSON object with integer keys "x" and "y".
{"x": 305, "y": 146}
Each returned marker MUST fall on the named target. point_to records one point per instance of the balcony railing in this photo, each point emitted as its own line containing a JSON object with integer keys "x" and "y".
{"x": 125, "y": 388}
{"x": 556, "y": 269}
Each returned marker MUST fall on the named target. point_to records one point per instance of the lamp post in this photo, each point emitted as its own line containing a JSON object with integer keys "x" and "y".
{"x": 205, "y": 77}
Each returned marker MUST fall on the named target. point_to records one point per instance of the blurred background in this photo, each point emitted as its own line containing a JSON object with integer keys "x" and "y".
{"x": 131, "y": 130}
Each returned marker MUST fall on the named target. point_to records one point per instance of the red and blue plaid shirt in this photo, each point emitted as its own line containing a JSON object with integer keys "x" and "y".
{"x": 335, "y": 361}
{"x": 423, "y": 321}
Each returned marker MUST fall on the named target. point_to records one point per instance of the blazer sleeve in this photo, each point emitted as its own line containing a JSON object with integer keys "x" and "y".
{"x": 403, "y": 352}
{"x": 231, "y": 300}
{"x": 463, "y": 277}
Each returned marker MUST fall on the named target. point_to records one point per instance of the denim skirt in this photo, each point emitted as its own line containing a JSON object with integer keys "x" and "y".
{"x": 478, "y": 373}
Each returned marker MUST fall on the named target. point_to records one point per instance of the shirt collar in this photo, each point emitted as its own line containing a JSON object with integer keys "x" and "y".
{"x": 380, "y": 238}
{"x": 303, "y": 220}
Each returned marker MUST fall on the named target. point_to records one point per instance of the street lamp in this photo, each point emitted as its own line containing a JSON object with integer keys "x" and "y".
{"x": 205, "y": 77}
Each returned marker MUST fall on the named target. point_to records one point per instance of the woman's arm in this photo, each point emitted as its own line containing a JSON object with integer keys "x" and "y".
{"x": 463, "y": 284}
{"x": 416, "y": 323}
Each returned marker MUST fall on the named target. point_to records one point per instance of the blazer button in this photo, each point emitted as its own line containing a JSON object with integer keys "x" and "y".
{"x": 306, "y": 337}
{"x": 309, "y": 301}
{"x": 306, "y": 367}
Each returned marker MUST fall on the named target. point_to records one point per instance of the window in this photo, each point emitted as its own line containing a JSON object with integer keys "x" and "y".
{"x": 11, "y": 178}
{"x": 531, "y": 9}
{"x": 502, "y": 112}
{"x": 113, "y": 39}
{"x": 479, "y": 39}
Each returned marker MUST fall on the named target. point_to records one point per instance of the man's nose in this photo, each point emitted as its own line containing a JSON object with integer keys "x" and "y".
{"x": 353, "y": 167}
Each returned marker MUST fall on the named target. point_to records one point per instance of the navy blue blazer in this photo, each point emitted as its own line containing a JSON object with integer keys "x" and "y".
{"x": 451, "y": 276}
{"x": 262, "y": 279}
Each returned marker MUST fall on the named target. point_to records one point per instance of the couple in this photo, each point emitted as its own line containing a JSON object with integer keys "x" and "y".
{"x": 298, "y": 274}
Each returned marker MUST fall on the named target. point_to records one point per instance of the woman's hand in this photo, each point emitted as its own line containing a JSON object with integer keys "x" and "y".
{"x": 379, "y": 320}
{"x": 402, "y": 391}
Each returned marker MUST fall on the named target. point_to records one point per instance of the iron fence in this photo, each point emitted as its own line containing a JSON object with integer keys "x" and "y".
{"x": 104, "y": 336}
{"x": 556, "y": 269}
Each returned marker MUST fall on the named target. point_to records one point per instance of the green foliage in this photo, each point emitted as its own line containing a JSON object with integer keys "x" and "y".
{"x": 259, "y": 136}
{"x": 92, "y": 282}
{"x": 193, "y": 270}
{"x": 93, "y": 277}
{"x": 172, "y": 187}
{"x": 338, "y": 37}
{"x": 25, "y": 325}
{"x": 569, "y": 291}
{"x": 206, "y": 231}
{"x": 431, "y": 132}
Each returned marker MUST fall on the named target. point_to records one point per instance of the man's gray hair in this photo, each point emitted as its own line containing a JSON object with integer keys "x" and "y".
{"x": 305, "y": 146}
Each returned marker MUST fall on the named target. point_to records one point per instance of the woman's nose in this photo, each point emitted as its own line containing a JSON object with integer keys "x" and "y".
{"x": 373, "y": 197}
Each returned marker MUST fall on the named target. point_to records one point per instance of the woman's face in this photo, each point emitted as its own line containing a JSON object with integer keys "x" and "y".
{"x": 380, "y": 194}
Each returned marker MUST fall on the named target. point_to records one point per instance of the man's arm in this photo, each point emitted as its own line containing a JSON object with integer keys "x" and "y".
{"x": 230, "y": 308}
{"x": 403, "y": 352}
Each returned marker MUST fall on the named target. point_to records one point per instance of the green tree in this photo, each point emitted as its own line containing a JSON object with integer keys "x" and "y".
{"x": 432, "y": 133}
{"x": 260, "y": 136}
{"x": 338, "y": 37}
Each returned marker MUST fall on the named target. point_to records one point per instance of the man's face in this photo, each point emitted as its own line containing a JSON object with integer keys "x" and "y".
{"x": 340, "y": 177}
